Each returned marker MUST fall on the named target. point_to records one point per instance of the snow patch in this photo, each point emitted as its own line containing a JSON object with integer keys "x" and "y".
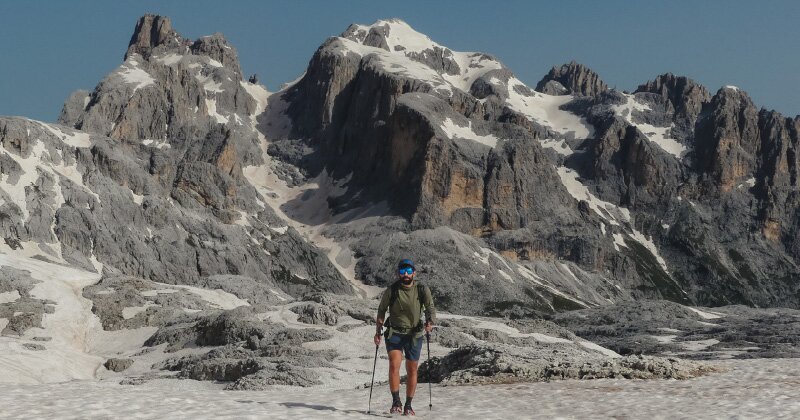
{"x": 72, "y": 327}
{"x": 598, "y": 348}
{"x": 664, "y": 339}
{"x": 132, "y": 74}
{"x": 259, "y": 94}
{"x": 211, "y": 105}
{"x": 648, "y": 243}
{"x": 544, "y": 109}
{"x": 454, "y": 131}
{"x": 132, "y": 311}
{"x": 608, "y": 211}
{"x": 394, "y": 63}
{"x": 217, "y": 297}
{"x": 699, "y": 344}
{"x": 704, "y": 314}
{"x": 619, "y": 240}
{"x": 158, "y": 144}
{"x": 9, "y": 297}
{"x": 170, "y": 59}
{"x": 408, "y": 45}
{"x": 505, "y": 275}
{"x": 657, "y": 135}
{"x": 559, "y": 145}
{"x": 137, "y": 198}
{"x": 76, "y": 139}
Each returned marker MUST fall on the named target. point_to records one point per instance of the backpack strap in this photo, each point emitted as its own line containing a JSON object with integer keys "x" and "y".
{"x": 394, "y": 292}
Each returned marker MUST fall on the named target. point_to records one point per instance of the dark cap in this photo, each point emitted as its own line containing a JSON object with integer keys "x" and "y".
{"x": 406, "y": 263}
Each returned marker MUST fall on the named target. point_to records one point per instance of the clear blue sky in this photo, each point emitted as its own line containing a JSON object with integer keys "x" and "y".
{"x": 51, "y": 48}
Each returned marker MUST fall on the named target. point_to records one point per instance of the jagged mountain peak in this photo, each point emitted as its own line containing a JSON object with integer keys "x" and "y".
{"x": 733, "y": 92}
{"x": 731, "y": 99}
{"x": 407, "y": 48}
{"x": 685, "y": 95}
{"x": 392, "y": 51}
{"x": 154, "y": 36}
{"x": 667, "y": 82}
{"x": 571, "y": 78}
{"x": 168, "y": 87}
{"x": 152, "y": 31}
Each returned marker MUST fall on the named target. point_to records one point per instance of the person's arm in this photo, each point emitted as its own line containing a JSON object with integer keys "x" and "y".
{"x": 379, "y": 319}
{"x": 430, "y": 310}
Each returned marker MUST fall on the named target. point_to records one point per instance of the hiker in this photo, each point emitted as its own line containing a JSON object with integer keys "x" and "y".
{"x": 405, "y": 300}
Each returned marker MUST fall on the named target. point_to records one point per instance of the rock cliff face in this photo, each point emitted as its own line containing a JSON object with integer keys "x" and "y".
{"x": 144, "y": 176}
{"x": 727, "y": 139}
{"x": 640, "y": 189}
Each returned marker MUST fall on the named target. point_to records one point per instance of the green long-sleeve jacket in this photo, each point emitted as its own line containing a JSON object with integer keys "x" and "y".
{"x": 406, "y": 312}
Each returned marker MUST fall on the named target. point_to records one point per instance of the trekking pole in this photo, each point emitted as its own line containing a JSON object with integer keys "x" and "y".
{"x": 430, "y": 390}
{"x": 375, "y": 363}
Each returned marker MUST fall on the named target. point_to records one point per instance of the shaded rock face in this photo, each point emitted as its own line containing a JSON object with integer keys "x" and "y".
{"x": 441, "y": 181}
{"x": 571, "y": 78}
{"x": 727, "y": 139}
{"x": 739, "y": 146}
{"x": 685, "y": 96}
{"x": 630, "y": 168}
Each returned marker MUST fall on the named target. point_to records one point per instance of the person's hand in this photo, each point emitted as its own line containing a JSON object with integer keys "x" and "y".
{"x": 377, "y": 340}
{"x": 428, "y": 327}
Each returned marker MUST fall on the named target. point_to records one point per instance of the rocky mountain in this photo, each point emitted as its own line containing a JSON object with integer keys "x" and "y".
{"x": 142, "y": 176}
{"x": 190, "y": 192}
{"x": 604, "y": 195}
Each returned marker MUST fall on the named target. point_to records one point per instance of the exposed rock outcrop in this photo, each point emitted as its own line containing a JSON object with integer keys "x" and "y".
{"x": 571, "y": 78}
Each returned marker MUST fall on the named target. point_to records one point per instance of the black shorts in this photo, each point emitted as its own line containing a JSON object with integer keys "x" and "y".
{"x": 406, "y": 344}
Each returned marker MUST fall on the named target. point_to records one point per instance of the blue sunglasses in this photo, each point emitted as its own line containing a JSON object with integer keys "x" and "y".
{"x": 406, "y": 270}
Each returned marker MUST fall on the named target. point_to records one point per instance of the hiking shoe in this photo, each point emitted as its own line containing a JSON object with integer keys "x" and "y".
{"x": 397, "y": 407}
{"x": 408, "y": 411}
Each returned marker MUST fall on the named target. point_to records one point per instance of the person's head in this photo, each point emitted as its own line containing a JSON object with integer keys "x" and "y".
{"x": 406, "y": 271}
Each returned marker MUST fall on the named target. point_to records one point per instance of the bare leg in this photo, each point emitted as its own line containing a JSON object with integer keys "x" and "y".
{"x": 395, "y": 359}
{"x": 411, "y": 379}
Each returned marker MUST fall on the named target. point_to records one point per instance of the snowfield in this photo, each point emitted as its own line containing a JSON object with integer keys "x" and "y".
{"x": 66, "y": 381}
{"x": 761, "y": 388}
